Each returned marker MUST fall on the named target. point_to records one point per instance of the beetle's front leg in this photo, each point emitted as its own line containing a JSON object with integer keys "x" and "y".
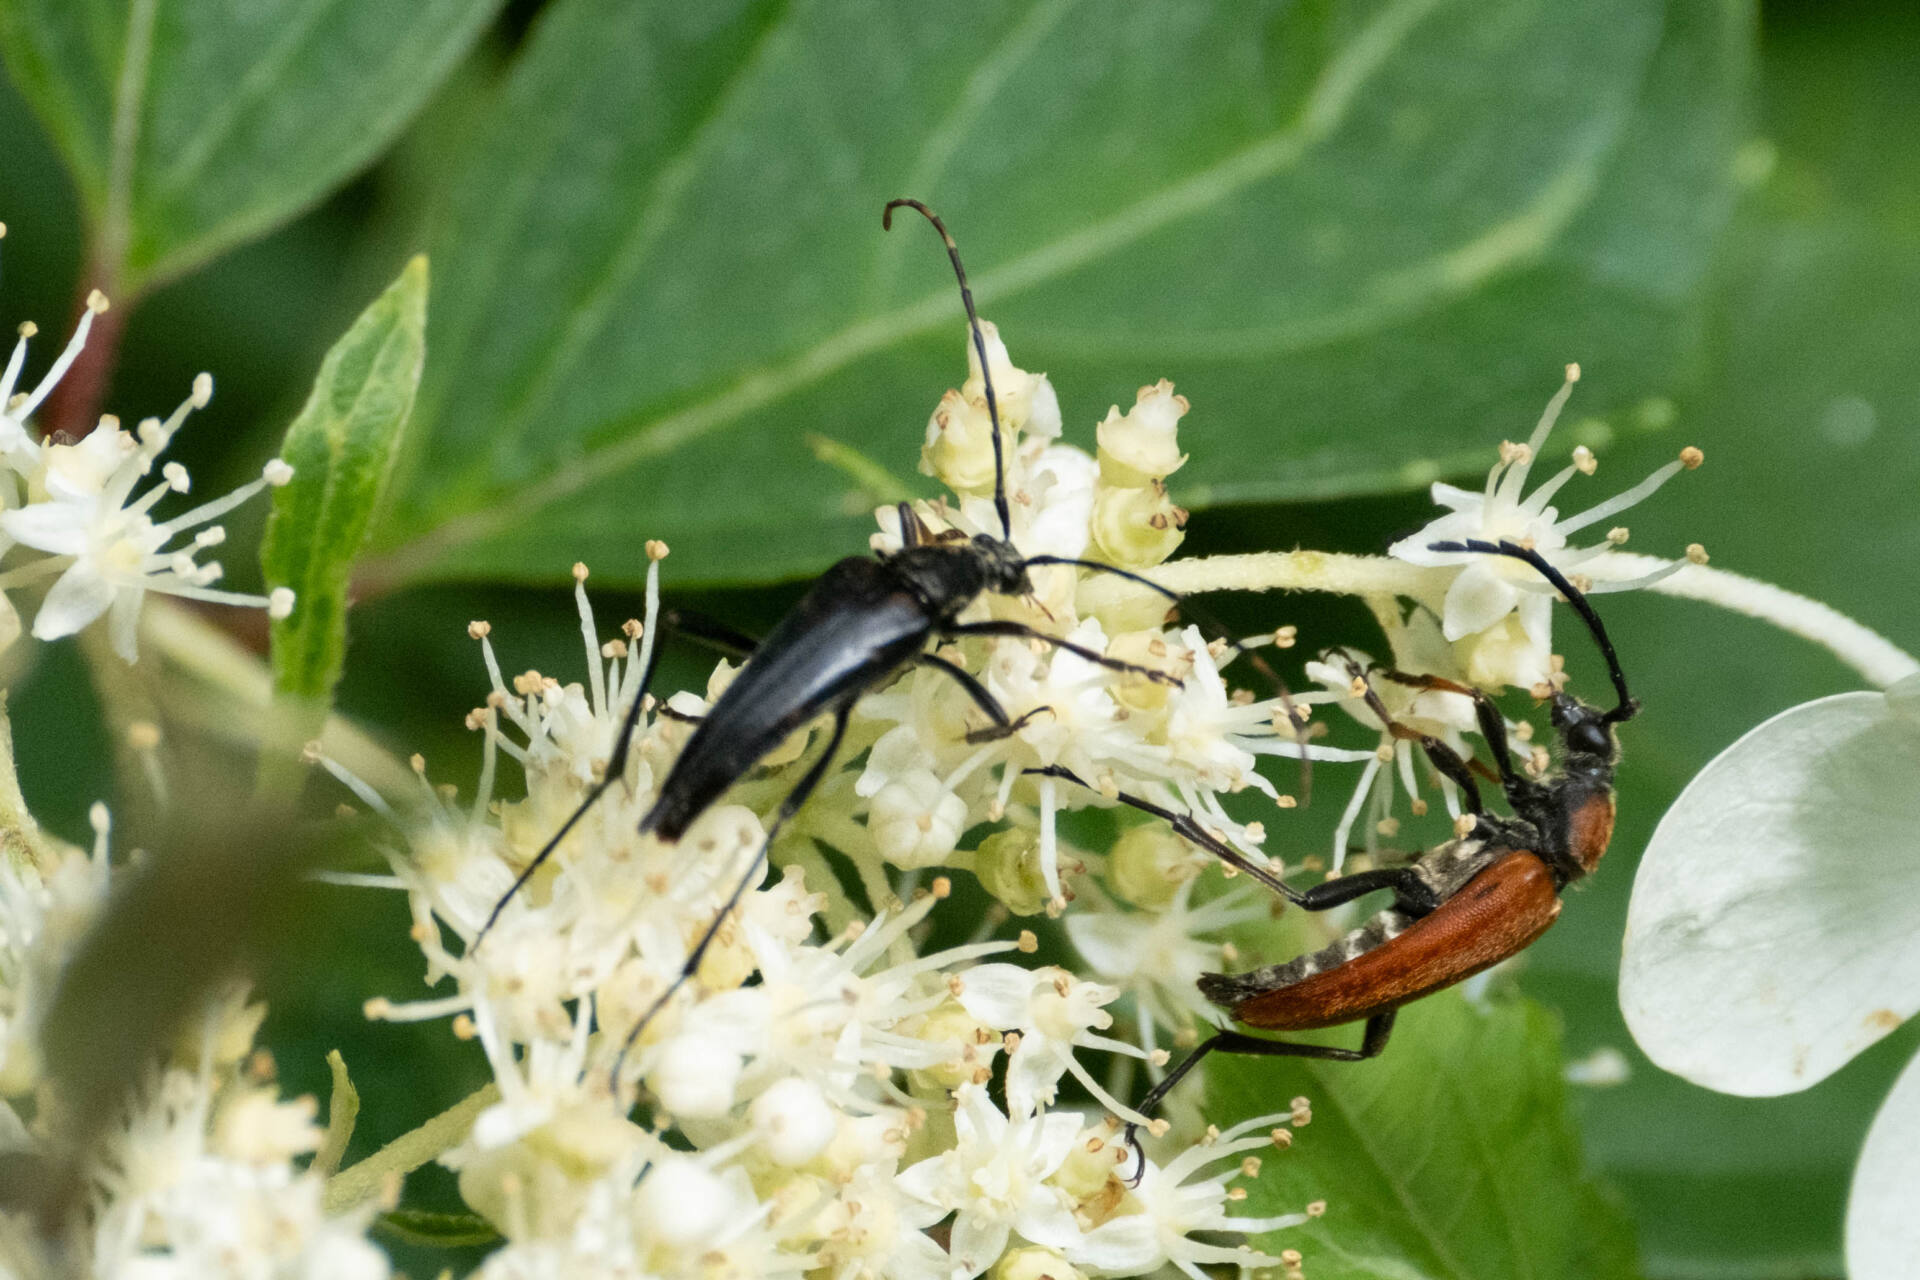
{"x": 1022, "y": 631}
{"x": 1002, "y": 727}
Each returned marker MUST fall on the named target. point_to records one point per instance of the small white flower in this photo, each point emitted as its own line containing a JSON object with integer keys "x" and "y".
{"x": 1504, "y": 597}
{"x": 1158, "y": 956}
{"x": 875, "y": 1228}
{"x": 1175, "y": 1201}
{"x": 793, "y": 1120}
{"x": 995, "y": 1181}
{"x": 1053, "y": 1013}
{"x": 82, "y": 510}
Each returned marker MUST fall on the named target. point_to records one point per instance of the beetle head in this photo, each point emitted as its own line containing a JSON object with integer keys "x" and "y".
{"x": 1586, "y": 731}
{"x": 1006, "y": 568}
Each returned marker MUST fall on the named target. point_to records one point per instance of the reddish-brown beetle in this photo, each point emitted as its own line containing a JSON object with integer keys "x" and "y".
{"x": 1457, "y": 909}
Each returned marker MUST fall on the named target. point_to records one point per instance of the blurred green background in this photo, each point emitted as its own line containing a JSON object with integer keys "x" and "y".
{"x": 1361, "y": 237}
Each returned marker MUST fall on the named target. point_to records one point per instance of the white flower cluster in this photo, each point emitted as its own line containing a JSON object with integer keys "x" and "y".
{"x": 828, "y": 1092}
{"x": 196, "y": 1177}
{"x": 824, "y": 1091}
{"x": 820, "y": 1093}
{"x": 71, "y": 508}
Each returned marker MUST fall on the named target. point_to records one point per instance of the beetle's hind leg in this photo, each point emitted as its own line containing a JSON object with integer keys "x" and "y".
{"x": 1379, "y": 1027}
{"x": 788, "y": 807}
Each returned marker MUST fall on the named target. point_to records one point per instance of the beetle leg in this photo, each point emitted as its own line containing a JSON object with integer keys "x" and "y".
{"x": 912, "y": 532}
{"x": 1001, "y": 727}
{"x": 788, "y": 807}
{"x": 1411, "y": 895}
{"x": 997, "y": 732}
{"x": 1211, "y": 627}
{"x": 1025, "y": 632}
{"x": 708, "y": 631}
{"x": 1379, "y": 1027}
{"x": 972, "y": 687}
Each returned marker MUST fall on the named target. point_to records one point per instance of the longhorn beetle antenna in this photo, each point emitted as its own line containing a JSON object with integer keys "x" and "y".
{"x": 1628, "y": 707}
{"x": 979, "y": 347}
{"x": 1209, "y": 622}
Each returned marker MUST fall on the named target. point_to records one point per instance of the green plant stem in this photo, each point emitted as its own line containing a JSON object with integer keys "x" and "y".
{"x": 362, "y": 1182}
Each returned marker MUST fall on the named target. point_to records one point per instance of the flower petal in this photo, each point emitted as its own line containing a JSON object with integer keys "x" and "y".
{"x": 1883, "y": 1232}
{"x": 1478, "y": 598}
{"x": 997, "y": 994}
{"x": 1770, "y": 936}
{"x": 1124, "y": 1246}
{"x": 977, "y": 1243}
{"x": 80, "y": 596}
{"x": 57, "y": 527}
{"x": 1046, "y": 1218}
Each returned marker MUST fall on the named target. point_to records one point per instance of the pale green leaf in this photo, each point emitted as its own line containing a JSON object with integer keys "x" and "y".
{"x": 342, "y": 448}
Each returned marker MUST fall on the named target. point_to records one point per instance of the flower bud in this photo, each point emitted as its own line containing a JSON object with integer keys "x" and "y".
{"x": 793, "y": 1120}
{"x": 695, "y": 1077}
{"x": 1008, "y": 867}
{"x": 1034, "y": 1263}
{"x": 973, "y": 1043}
{"x": 1143, "y": 445}
{"x": 915, "y": 821}
{"x": 1026, "y": 401}
{"x": 959, "y": 446}
{"x": 1148, "y": 863}
{"x": 1137, "y": 528}
{"x": 684, "y": 1203}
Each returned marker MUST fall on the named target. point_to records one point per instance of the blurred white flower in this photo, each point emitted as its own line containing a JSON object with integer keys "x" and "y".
{"x": 1771, "y": 933}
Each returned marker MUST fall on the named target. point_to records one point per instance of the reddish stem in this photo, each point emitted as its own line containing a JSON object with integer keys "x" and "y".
{"x": 74, "y": 406}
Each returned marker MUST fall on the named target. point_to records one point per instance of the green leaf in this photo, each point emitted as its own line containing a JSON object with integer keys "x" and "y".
{"x": 190, "y": 127}
{"x": 1451, "y": 1156}
{"x": 342, "y": 448}
{"x": 1355, "y": 233}
{"x": 437, "y": 1230}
